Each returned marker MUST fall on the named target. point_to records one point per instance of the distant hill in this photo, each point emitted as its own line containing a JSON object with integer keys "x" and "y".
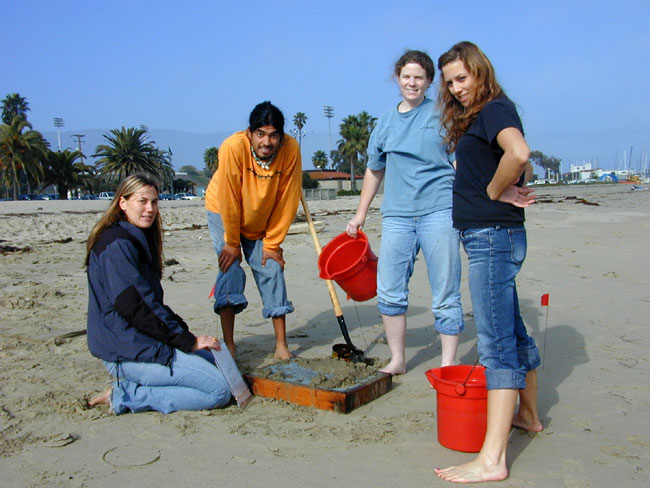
{"x": 186, "y": 147}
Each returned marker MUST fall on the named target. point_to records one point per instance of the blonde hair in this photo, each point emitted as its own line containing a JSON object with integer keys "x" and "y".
{"x": 454, "y": 117}
{"x": 114, "y": 214}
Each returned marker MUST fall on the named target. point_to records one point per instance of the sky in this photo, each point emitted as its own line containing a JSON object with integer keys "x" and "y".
{"x": 577, "y": 70}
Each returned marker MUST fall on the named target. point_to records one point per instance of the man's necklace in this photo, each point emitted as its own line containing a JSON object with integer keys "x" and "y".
{"x": 261, "y": 163}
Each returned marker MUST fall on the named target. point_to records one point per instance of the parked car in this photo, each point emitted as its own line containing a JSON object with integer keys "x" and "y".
{"x": 184, "y": 196}
{"x": 165, "y": 196}
{"x": 106, "y": 195}
{"x": 37, "y": 196}
{"x": 92, "y": 197}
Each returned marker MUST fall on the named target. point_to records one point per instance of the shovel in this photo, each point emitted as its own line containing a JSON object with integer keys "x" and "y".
{"x": 343, "y": 351}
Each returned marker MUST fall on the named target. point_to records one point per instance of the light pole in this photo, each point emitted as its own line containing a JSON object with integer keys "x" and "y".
{"x": 58, "y": 123}
{"x": 328, "y": 111}
{"x": 79, "y": 138}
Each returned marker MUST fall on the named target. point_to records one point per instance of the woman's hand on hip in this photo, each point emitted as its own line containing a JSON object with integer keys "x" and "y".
{"x": 519, "y": 196}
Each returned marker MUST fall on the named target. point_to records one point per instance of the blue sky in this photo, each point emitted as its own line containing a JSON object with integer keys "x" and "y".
{"x": 577, "y": 70}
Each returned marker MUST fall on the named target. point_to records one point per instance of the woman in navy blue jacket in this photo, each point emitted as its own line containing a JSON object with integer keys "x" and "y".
{"x": 159, "y": 364}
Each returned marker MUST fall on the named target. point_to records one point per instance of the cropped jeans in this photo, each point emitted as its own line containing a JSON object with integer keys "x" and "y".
{"x": 229, "y": 287}
{"x": 505, "y": 348}
{"x": 401, "y": 240}
{"x": 190, "y": 382}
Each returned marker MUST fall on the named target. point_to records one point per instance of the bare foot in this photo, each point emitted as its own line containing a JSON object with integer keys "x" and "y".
{"x": 282, "y": 353}
{"x": 394, "y": 368}
{"x": 449, "y": 363}
{"x": 101, "y": 399}
{"x": 473, "y": 472}
{"x": 530, "y": 423}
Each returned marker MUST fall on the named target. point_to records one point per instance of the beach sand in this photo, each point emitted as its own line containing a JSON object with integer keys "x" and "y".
{"x": 594, "y": 390}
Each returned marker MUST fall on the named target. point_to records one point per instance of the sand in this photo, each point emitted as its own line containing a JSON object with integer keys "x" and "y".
{"x": 593, "y": 388}
{"x": 327, "y": 372}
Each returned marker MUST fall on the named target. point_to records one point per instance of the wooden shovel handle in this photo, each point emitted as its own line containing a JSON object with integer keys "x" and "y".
{"x": 312, "y": 230}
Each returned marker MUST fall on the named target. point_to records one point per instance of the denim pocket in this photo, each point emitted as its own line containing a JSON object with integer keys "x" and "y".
{"x": 518, "y": 244}
{"x": 476, "y": 240}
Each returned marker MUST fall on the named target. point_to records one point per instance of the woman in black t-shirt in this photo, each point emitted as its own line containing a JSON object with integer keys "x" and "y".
{"x": 484, "y": 130}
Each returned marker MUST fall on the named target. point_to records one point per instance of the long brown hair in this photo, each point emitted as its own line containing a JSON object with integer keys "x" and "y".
{"x": 114, "y": 214}
{"x": 455, "y": 118}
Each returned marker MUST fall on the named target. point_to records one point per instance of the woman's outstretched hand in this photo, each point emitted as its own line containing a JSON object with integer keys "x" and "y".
{"x": 519, "y": 196}
{"x": 206, "y": 342}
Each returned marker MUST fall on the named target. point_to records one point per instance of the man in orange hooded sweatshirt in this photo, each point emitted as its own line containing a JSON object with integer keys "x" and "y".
{"x": 251, "y": 201}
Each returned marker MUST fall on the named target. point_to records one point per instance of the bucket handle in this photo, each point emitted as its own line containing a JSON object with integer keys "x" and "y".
{"x": 460, "y": 388}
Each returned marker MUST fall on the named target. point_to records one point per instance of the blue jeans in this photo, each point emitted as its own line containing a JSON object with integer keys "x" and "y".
{"x": 505, "y": 348}
{"x": 229, "y": 288}
{"x": 190, "y": 382}
{"x": 401, "y": 240}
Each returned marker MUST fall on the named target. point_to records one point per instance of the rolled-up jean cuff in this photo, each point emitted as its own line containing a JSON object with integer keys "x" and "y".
{"x": 529, "y": 357}
{"x": 238, "y": 302}
{"x": 505, "y": 379}
{"x": 449, "y": 326}
{"x": 117, "y": 400}
{"x": 278, "y": 311}
{"x": 390, "y": 310}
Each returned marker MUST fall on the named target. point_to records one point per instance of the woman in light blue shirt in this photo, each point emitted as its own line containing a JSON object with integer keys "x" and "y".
{"x": 406, "y": 149}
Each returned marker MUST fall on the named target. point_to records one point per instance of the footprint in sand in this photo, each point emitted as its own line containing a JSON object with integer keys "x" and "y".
{"x": 638, "y": 441}
{"x": 61, "y": 440}
{"x": 617, "y": 451}
{"x": 627, "y": 362}
{"x": 242, "y": 460}
{"x": 574, "y": 482}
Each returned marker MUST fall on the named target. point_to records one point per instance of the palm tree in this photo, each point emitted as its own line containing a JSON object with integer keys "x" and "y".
{"x": 126, "y": 153}
{"x": 299, "y": 120}
{"x": 166, "y": 174}
{"x": 349, "y": 145}
{"x": 20, "y": 152}
{"x": 63, "y": 170}
{"x": 14, "y": 105}
{"x": 211, "y": 160}
{"x": 319, "y": 159}
{"x": 355, "y": 133}
{"x": 550, "y": 164}
{"x": 337, "y": 161}
{"x": 367, "y": 124}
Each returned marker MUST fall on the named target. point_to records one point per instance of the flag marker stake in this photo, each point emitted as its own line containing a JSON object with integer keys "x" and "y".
{"x": 545, "y": 304}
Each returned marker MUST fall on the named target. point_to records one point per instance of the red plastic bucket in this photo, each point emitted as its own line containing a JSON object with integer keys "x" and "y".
{"x": 352, "y": 264}
{"x": 462, "y": 408}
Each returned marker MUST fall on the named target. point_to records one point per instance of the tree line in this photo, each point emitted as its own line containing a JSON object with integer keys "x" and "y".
{"x": 351, "y": 150}
{"x": 26, "y": 160}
